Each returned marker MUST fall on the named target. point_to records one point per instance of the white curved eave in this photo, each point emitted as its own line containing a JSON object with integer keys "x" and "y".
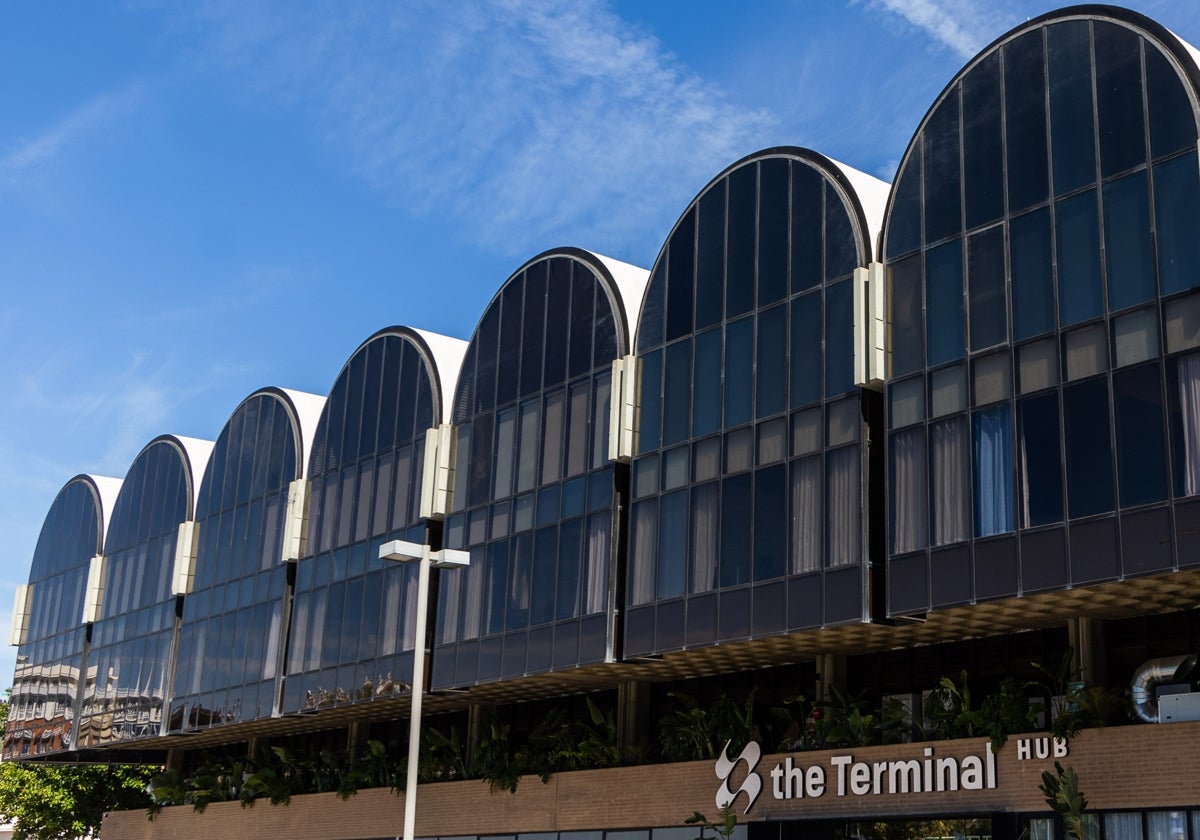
{"x": 631, "y": 284}
{"x": 448, "y": 354}
{"x": 197, "y": 452}
{"x": 872, "y": 194}
{"x": 1192, "y": 52}
{"x": 107, "y": 488}
{"x": 308, "y": 415}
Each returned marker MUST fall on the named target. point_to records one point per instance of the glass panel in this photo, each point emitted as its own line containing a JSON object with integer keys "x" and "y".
{"x": 600, "y": 419}
{"x": 806, "y": 349}
{"x": 948, "y": 465}
{"x": 707, "y": 461}
{"x": 839, "y": 339}
{"x": 710, "y": 265}
{"x": 1079, "y": 292}
{"x": 736, "y": 509}
{"x": 739, "y": 280}
{"x": 675, "y": 468}
{"x": 677, "y": 382}
{"x": 739, "y": 450}
{"x": 983, "y": 164}
{"x": 807, "y": 184}
{"x": 704, "y": 527}
{"x": 584, "y": 289}
{"x": 843, "y": 472}
{"x": 993, "y": 471}
{"x": 841, "y": 250}
{"x": 1089, "y": 451}
{"x": 904, "y": 222}
{"x": 772, "y": 441}
{"x": 533, "y": 328}
{"x": 989, "y": 308}
{"x": 1071, "y": 127}
{"x": 844, "y": 421}
{"x": 1186, "y": 436}
{"x": 1135, "y": 337}
{"x": 1166, "y": 825}
{"x": 943, "y": 205}
{"x": 680, "y": 270}
{"x": 1181, "y": 323}
{"x": 907, "y": 402}
{"x": 542, "y": 578}
{"x": 1123, "y": 826}
{"x": 807, "y": 515}
{"x": 1025, "y": 120}
{"x": 650, "y": 322}
{"x": 739, "y": 371}
{"x": 993, "y": 379}
{"x": 645, "y": 476}
{"x": 577, "y": 422}
{"x": 643, "y": 544}
{"x": 806, "y": 432}
{"x": 1032, "y": 274}
{"x": 1141, "y": 440}
{"x": 772, "y": 230}
{"x": 1172, "y": 120}
{"x": 672, "y": 544}
{"x": 1085, "y": 352}
{"x": 770, "y": 522}
{"x": 706, "y": 384}
{"x": 1127, "y": 242}
{"x": 944, "y": 288}
{"x": 907, "y": 330}
{"x": 1041, "y": 461}
{"x": 947, "y": 391}
{"x": 908, "y": 493}
{"x": 1037, "y": 365}
{"x": 529, "y": 445}
{"x": 771, "y": 370}
{"x": 1119, "y": 97}
{"x": 650, "y": 406}
{"x": 1177, "y": 221}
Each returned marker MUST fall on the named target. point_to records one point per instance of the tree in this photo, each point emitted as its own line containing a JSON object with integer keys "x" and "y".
{"x": 58, "y": 802}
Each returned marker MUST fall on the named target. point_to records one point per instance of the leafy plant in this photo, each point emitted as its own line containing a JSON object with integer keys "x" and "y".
{"x": 1061, "y": 789}
{"x": 494, "y": 761}
{"x": 693, "y": 732}
{"x": 724, "y": 828}
{"x": 1072, "y": 705}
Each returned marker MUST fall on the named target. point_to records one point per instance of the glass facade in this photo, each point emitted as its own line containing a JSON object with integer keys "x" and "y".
{"x": 43, "y": 708}
{"x": 1040, "y": 433}
{"x": 129, "y": 657}
{"x": 229, "y": 640}
{"x": 749, "y": 487}
{"x": 351, "y": 626}
{"x": 533, "y": 495}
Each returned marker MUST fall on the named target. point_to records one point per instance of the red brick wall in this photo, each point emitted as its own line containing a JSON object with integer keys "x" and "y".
{"x": 1124, "y": 767}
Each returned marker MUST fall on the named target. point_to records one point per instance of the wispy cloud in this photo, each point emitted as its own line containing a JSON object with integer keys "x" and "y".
{"x": 534, "y": 123}
{"x": 964, "y": 26}
{"x": 72, "y": 128}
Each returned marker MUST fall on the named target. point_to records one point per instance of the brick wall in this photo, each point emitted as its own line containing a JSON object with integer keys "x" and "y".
{"x": 1120, "y": 768}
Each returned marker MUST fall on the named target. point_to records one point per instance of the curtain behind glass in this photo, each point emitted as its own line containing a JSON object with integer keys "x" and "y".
{"x": 806, "y": 515}
{"x": 472, "y": 604}
{"x": 993, "y": 471}
{"x": 706, "y": 515}
{"x": 596, "y": 584}
{"x": 948, "y": 468}
{"x": 1166, "y": 825}
{"x": 1189, "y": 405}
{"x": 1123, "y": 826}
{"x": 844, "y": 506}
{"x": 908, "y": 493}
{"x": 642, "y": 560}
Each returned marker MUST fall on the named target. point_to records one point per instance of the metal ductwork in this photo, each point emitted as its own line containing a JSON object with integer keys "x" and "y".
{"x": 1153, "y": 673}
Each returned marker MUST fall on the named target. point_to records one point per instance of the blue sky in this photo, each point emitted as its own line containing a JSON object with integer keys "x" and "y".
{"x": 197, "y": 200}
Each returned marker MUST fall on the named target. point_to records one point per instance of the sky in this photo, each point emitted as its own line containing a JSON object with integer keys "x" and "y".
{"x": 198, "y": 200}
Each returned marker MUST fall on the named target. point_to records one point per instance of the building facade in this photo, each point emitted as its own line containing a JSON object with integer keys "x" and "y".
{"x": 845, "y": 444}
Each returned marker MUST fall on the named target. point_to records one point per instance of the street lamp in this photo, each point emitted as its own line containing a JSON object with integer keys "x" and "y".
{"x": 407, "y": 552}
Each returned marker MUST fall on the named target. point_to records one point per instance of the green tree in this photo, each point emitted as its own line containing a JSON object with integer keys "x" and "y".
{"x": 58, "y": 802}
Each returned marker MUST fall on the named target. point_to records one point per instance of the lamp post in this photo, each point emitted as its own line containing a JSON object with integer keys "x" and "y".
{"x": 407, "y": 552}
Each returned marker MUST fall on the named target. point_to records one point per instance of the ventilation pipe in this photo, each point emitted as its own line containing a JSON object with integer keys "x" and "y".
{"x": 1153, "y": 673}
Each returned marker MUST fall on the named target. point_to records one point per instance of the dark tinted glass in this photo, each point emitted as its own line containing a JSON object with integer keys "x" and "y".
{"x": 1071, "y": 125}
{"x": 706, "y": 384}
{"x": 710, "y": 265}
{"x": 558, "y": 320}
{"x": 736, "y": 509}
{"x": 485, "y": 363}
{"x": 907, "y": 326}
{"x": 841, "y": 256}
{"x": 807, "y": 231}
{"x": 770, "y": 373}
{"x": 534, "y": 328}
{"x": 989, "y": 310}
{"x": 904, "y": 221}
{"x": 839, "y": 339}
{"x": 1172, "y": 121}
{"x": 983, "y": 158}
{"x": 1025, "y": 121}
{"x": 1177, "y": 221}
{"x": 943, "y": 205}
{"x": 681, "y": 265}
{"x": 770, "y": 522}
{"x": 677, "y": 380}
{"x": 739, "y": 284}
{"x": 650, "y": 321}
{"x": 1079, "y": 290}
{"x": 806, "y": 349}
{"x": 1127, "y": 249}
{"x": 583, "y": 315}
{"x": 1032, "y": 261}
{"x": 1119, "y": 98}
{"x": 672, "y": 544}
{"x": 1041, "y": 460}
{"x": 739, "y": 371}
{"x": 772, "y": 230}
{"x": 509, "y": 354}
{"x": 650, "y": 391}
{"x": 1141, "y": 436}
{"x": 1089, "y": 452}
{"x": 944, "y": 287}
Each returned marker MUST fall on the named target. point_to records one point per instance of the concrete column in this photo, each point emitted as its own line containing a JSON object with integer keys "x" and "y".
{"x": 1086, "y": 636}
{"x": 633, "y": 715}
{"x": 831, "y": 671}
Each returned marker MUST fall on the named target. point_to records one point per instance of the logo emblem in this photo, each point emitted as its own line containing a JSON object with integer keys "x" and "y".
{"x": 751, "y": 785}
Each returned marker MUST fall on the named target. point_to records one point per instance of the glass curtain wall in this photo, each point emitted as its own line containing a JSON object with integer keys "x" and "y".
{"x": 232, "y": 620}
{"x": 533, "y": 486}
{"x": 42, "y": 707}
{"x": 129, "y": 656}
{"x": 1043, "y": 343}
{"x": 748, "y": 513}
{"x": 351, "y": 629}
